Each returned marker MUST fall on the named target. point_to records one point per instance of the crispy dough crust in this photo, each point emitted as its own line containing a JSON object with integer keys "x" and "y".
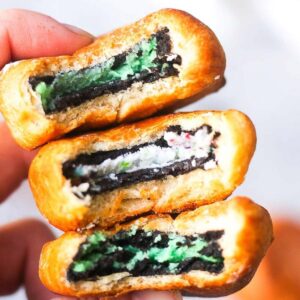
{"x": 64, "y": 210}
{"x": 248, "y": 234}
{"x": 202, "y": 69}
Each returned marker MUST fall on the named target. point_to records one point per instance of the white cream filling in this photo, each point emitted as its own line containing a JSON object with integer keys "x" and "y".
{"x": 181, "y": 147}
{"x": 80, "y": 189}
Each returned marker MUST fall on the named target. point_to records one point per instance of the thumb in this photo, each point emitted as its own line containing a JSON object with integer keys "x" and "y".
{"x": 27, "y": 34}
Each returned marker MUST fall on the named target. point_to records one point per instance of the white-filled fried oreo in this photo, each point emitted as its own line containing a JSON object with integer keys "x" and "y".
{"x": 166, "y": 164}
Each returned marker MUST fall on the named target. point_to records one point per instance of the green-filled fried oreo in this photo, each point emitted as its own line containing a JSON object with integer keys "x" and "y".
{"x": 146, "y": 253}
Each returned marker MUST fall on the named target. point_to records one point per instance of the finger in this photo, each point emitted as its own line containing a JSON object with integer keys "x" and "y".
{"x": 154, "y": 295}
{"x": 64, "y": 298}
{"x": 14, "y": 163}
{"x": 123, "y": 297}
{"x": 277, "y": 278}
{"x": 144, "y": 295}
{"x": 26, "y": 34}
{"x": 20, "y": 246}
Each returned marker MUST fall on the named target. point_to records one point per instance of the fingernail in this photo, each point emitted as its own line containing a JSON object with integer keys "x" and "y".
{"x": 154, "y": 295}
{"x": 79, "y": 30}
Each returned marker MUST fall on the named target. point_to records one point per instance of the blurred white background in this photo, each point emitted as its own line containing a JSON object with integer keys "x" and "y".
{"x": 261, "y": 40}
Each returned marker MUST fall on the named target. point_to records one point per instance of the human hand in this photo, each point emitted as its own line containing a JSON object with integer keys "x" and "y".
{"x": 25, "y": 34}
{"x": 277, "y": 276}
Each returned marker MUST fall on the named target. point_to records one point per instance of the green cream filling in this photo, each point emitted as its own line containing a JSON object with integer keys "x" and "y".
{"x": 139, "y": 59}
{"x": 173, "y": 254}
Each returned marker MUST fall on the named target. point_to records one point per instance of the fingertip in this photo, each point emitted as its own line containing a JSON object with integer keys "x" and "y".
{"x": 79, "y": 31}
{"x": 122, "y": 297}
{"x": 154, "y": 295}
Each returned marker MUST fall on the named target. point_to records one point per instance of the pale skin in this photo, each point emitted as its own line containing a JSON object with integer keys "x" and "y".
{"x": 26, "y": 34}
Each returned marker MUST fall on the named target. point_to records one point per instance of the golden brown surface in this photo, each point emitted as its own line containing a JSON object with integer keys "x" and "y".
{"x": 248, "y": 234}
{"x": 202, "y": 69}
{"x": 64, "y": 210}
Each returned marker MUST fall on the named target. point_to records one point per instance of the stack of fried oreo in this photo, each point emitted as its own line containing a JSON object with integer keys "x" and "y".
{"x": 141, "y": 204}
